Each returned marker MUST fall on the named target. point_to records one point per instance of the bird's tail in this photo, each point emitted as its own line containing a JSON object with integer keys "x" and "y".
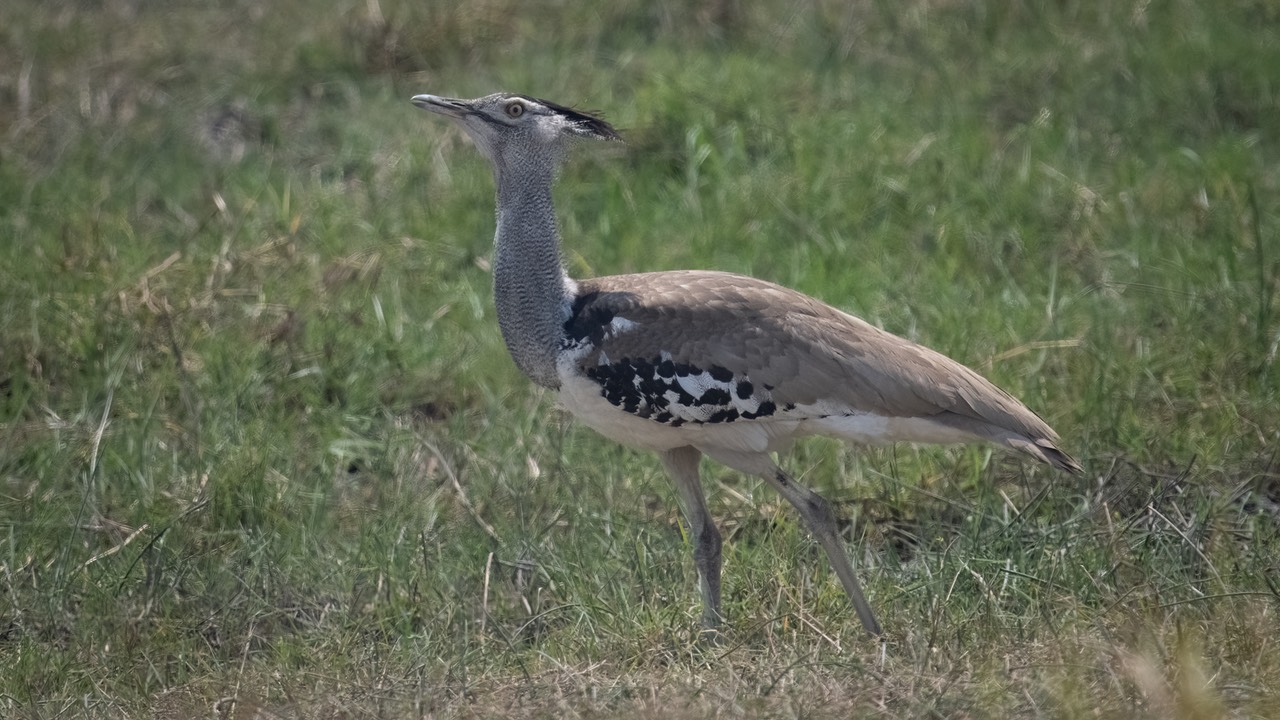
{"x": 1037, "y": 440}
{"x": 1045, "y": 451}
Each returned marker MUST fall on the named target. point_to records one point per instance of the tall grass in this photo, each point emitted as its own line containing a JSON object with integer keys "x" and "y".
{"x": 261, "y": 449}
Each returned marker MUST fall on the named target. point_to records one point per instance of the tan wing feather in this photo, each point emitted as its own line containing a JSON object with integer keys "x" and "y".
{"x": 806, "y": 351}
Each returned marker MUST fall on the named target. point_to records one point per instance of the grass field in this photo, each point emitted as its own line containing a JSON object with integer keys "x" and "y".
{"x": 263, "y": 454}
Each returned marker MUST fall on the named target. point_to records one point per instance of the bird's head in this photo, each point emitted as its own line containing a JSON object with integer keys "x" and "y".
{"x": 508, "y": 127}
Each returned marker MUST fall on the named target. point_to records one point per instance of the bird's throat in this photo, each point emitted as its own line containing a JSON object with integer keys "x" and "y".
{"x": 531, "y": 290}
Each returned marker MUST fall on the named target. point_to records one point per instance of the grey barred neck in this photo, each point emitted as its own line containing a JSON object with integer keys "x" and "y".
{"x": 531, "y": 291}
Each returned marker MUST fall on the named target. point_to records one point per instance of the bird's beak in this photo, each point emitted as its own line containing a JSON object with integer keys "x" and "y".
{"x": 442, "y": 105}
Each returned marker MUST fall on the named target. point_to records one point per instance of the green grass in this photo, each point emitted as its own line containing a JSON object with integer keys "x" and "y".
{"x": 261, "y": 448}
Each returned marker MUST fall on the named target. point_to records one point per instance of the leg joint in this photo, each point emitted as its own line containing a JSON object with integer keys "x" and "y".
{"x": 821, "y": 509}
{"x": 708, "y": 542}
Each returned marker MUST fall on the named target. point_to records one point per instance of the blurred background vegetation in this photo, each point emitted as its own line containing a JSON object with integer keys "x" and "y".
{"x": 262, "y": 451}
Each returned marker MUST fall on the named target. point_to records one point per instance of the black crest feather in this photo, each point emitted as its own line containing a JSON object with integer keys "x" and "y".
{"x": 591, "y": 122}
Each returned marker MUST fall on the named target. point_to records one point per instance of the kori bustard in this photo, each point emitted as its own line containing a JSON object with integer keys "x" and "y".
{"x": 694, "y": 363}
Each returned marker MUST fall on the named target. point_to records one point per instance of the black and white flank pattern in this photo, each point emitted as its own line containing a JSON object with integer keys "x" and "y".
{"x": 660, "y": 388}
{"x": 676, "y": 393}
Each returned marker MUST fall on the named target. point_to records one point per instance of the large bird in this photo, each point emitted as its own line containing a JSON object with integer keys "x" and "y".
{"x": 692, "y": 363}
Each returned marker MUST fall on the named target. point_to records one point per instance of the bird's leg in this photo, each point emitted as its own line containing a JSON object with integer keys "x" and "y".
{"x": 821, "y": 521}
{"x": 682, "y": 465}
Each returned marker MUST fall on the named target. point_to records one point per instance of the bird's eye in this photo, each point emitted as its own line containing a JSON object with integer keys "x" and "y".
{"x": 515, "y": 109}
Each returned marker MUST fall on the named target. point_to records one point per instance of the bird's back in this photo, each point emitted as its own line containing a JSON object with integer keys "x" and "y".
{"x": 697, "y": 348}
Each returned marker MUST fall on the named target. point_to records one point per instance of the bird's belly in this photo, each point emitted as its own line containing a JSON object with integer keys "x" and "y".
{"x": 582, "y": 397}
{"x": 871, "y": 429}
